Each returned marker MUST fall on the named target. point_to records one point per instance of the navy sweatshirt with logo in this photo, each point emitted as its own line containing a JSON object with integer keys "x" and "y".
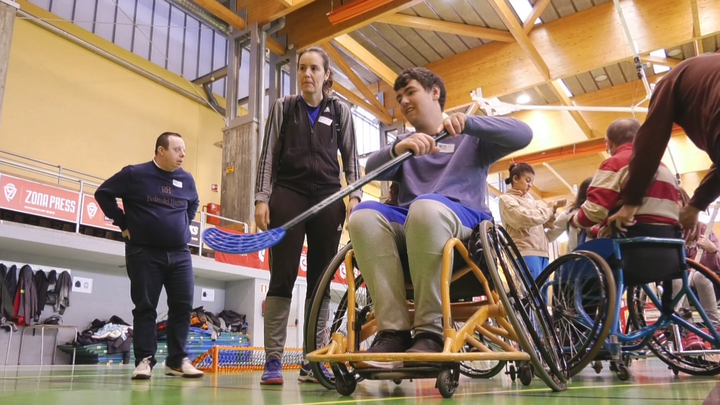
{"x": 159, "y": 205}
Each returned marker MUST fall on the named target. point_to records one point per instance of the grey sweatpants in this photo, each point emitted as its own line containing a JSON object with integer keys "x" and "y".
{"x": 379, "y": 243}
{"x": 705, "y": 294}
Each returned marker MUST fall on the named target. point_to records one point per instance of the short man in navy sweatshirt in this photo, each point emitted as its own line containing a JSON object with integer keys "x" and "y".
{"x": 159, "y": 201}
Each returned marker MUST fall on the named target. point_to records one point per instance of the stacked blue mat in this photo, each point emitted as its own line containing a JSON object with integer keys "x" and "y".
{"x": 199, "y": 341}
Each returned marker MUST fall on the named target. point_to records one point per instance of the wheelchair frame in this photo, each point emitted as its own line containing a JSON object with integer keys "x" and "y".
{"x": 341, "y": 349}
{"x": 623, "y": 345}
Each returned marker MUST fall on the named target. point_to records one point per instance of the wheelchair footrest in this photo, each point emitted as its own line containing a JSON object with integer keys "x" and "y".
{"x": 401, "y": 373}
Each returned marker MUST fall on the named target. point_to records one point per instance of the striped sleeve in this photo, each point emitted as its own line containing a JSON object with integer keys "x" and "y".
{"x": 603, "y": 194}
{"x": 660, "y": 202}
{"x": 263, "y": 181}
{"x": 348, "y": 149}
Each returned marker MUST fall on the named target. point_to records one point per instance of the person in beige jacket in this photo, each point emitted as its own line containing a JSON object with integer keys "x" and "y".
{"x": 526, "y": 219}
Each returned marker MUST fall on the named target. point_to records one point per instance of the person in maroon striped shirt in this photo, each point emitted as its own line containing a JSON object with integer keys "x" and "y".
{"x": 660, "y": 204}
{"x": 689, "y": 96}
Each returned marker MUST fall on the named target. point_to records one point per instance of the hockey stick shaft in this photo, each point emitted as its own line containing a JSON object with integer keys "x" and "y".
{"x": 369, "y": 177}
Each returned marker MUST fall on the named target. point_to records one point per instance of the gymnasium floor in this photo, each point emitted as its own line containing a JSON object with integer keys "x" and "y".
{"x": 651, "y": 383}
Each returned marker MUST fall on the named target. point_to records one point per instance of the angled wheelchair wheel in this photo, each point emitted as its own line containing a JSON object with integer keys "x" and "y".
{"x": 524, "y": 306}
{"x": 328, "y": 313}
{"x": 582, "y": 293}
{"x": 672, "y": 344}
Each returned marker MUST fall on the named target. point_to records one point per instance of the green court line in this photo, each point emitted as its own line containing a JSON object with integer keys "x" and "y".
{"x": 519, "y": 392}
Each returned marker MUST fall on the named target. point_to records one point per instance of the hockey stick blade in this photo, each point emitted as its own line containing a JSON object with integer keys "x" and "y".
{"x": 232, "y": 243}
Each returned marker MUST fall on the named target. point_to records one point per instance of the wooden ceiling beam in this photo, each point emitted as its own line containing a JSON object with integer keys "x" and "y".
{"x": 698, "y": 45}
{"x": 222, "y": 12}
{"x": 382, "y": 114}
{"x": 357, "y": 51}
{"x": 447, "y": 27}
{"x": 538, "y": 9}
{"x": 554, "y": 195}
{"x": 522, "y": 38}
{"x": 557, "y": 89}
{"x": 345, "y": 67}
{"x": 661, "y": 61}
{"x": 576, "y": 150}
{"x": 276, "y": 47}
{"x": 267, "y": 11}
{"x": 302, "y": 35}
{"x": 508, "y": 17}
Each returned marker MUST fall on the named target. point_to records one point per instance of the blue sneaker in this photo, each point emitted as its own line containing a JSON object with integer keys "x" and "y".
{"x": 308, "y": 376}
{"x": 273, "y": 372}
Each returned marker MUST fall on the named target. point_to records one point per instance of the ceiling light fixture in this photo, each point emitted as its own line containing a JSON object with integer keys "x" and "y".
{"x": 565, "y": 88}
{"x": 660, "y": 68}
{"x": 523, "y": 99}
{"x": 600, "y": 78}
{"x": 674, "y": 52}
{"x": 660, "y": 53}
{"x": 354, "y": 9}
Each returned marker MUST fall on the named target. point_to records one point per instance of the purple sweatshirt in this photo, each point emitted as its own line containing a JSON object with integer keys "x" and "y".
{"x": 459, "y": 171}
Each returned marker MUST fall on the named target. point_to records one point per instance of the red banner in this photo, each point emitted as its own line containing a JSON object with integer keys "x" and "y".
{"x": 93, "y": 216}
{"x": 261, "y": 261}
{"x": 341, "y": 276}
{"x": 258, "y": 260}
{"x": 38, "y": 199}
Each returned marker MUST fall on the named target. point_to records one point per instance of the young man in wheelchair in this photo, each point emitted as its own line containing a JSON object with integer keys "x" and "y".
{"x": 441, "y": 195}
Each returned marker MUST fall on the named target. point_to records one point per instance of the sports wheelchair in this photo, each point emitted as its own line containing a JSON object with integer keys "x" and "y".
{"x": 586, "y": 288}
{"x": 509, "y": 322}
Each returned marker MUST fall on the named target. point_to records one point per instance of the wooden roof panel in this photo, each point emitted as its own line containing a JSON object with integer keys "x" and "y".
{"x": 444, "y": 11}
{"x": 563, "y": 7}
{"x": 550, "y": 14}
{"x": 487, "y": 14}
{"x": 573, "y": 170}
{"x": 615, "y": 75}
{"x": 574, "y": 85}
{"x": 402, "y": 44}
{"x": 422, "y": 41}
{"x": 547, "y": 93}
{"x": 587, "y": 81}
{"x": 380, "y": 48}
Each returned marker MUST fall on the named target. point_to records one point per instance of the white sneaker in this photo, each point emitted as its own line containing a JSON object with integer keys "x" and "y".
{"x": 186, "y": 370}
{"x": 144, "y": 370}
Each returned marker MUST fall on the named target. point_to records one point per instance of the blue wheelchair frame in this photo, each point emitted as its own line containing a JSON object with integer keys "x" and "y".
{"x": 620, "y": 343}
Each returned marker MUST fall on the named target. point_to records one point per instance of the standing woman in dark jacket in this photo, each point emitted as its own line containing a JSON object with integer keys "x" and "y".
{"x": 298, "y": 168}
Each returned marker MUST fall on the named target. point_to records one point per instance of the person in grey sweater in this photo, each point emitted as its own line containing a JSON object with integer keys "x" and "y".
{"x": 441, "y": 195}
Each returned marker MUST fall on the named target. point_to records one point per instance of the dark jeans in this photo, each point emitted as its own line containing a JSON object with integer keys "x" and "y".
{"x": 149, "y": 270}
